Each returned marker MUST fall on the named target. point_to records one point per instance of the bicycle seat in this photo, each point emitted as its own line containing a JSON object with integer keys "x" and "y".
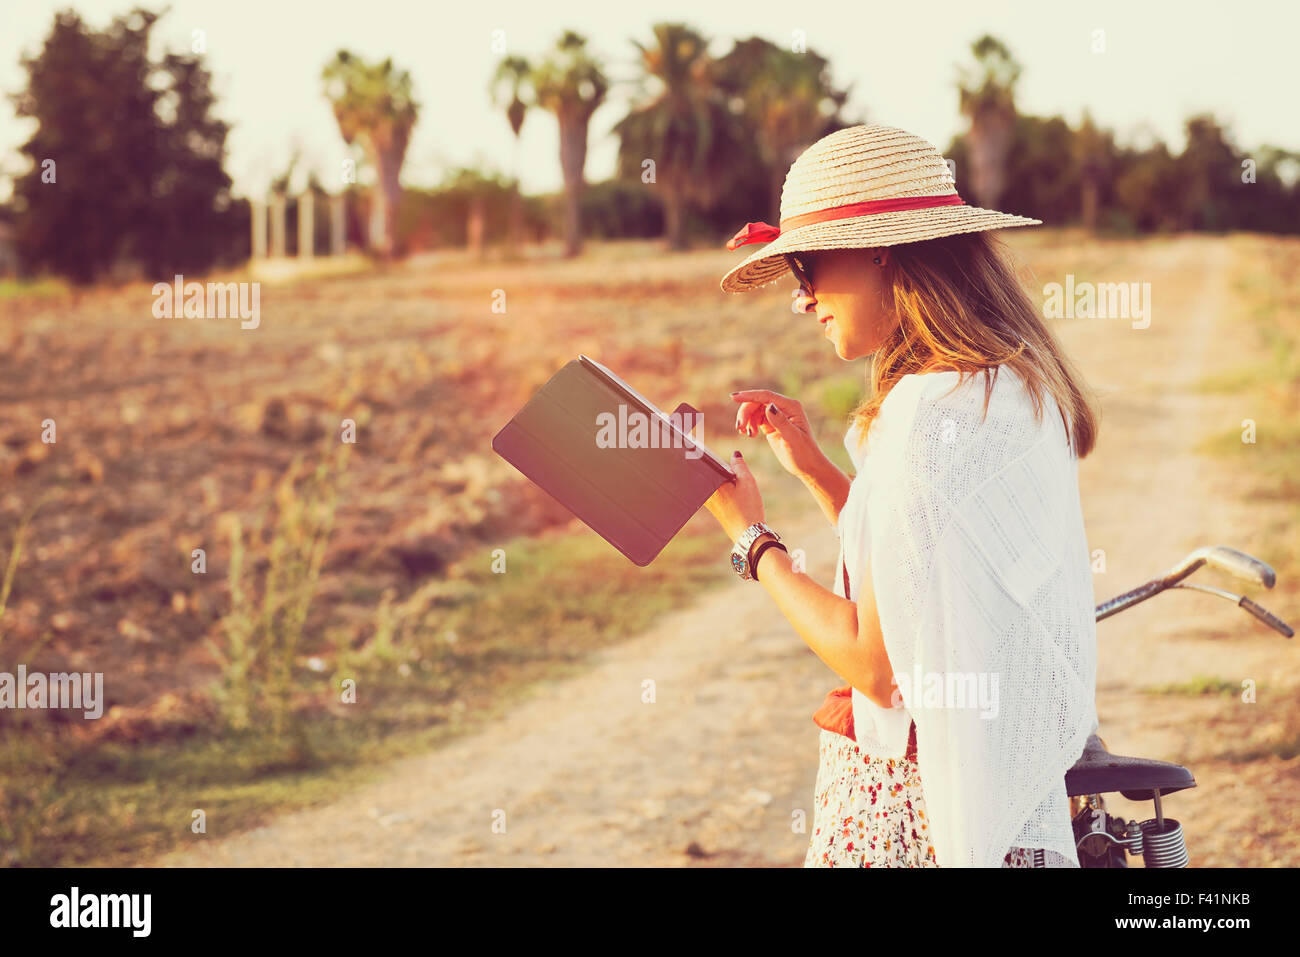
{"x": 1100, "y": 772}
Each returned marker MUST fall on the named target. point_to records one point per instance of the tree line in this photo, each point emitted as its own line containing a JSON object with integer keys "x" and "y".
{"x": 137, "y": 154}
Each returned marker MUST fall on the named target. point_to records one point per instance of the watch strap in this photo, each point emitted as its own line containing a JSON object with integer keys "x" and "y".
{"x": 758, "y": 553}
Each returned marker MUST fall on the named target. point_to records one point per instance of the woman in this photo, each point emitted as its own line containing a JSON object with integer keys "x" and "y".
{"x": 961, "y": 619}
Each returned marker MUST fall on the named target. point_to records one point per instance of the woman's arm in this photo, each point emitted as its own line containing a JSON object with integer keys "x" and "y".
{"x": 829, "y": 486}
{"x": 846, "y": 635}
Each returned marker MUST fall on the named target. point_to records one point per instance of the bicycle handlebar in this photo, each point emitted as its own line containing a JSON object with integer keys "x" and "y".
{"x": 1237, "y": 563}
{"x": 1266, "y": 616}
{"x": 1227, "y": 559}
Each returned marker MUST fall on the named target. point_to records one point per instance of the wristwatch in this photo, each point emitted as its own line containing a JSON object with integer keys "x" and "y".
{"x": 740, "y": 560}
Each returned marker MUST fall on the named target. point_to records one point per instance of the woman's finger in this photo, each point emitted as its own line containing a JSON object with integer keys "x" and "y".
{"x": 762, "y": 396}
{"x": 743, "y": 415}
{"x": 750, "y": 417}
{"x": 754, "y": 401}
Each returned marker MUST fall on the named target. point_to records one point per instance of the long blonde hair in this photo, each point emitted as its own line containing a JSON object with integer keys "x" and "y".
{"x": 960, "y": 305}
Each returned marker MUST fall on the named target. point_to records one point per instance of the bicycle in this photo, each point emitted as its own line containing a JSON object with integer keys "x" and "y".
{"x": 1102, "y": 839}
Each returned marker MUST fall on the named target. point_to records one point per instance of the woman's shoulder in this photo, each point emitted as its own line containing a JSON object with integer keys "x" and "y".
{"x": 887, "y": 436}
{"x": 920, "y": 400}
{"x": 969, "y": 399}
{"x": 963, "y": 385}
{"x": 964, "y": 427}
{"x": 929, "y": 412}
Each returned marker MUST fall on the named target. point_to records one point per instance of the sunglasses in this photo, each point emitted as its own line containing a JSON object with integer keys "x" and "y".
{"x": 806, "y": 299}
{"x": 802, "y": 271}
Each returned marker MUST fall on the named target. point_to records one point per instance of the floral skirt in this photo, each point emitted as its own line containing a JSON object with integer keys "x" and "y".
{"x": 870, "y": 812}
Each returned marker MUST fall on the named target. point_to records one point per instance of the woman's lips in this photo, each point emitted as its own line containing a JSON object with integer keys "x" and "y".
{"x": 826, "y": 320}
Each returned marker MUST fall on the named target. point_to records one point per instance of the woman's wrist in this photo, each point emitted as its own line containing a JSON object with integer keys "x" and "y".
{"x": 756, "y": 551}
{"x": 819, "y": 471}
{"x": 829, "y": 485}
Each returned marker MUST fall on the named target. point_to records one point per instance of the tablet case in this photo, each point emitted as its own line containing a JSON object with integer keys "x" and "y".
{"x": 636, "y": 499}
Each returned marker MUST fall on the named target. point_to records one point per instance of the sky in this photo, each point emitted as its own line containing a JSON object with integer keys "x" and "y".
{"x": 1161, "y": 62}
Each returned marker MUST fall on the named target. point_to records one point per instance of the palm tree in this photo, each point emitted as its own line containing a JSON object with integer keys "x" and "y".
{"x": 687, "y": 128}
{"x": 1093, "y": 149}
{"x": 510, "y": 83}
{"x": 570, "y": 84}
{"x": 788, "y": 99}
{"x": 374, "y": 106}
{"x": 988, "y": 101}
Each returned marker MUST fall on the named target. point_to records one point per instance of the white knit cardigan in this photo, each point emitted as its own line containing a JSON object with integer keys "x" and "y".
{"x": 971, "y": 529}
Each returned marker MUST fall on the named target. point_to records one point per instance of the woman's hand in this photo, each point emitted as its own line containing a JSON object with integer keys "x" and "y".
{"x": 737, "y": 505}
{"x": 786, "y": 426}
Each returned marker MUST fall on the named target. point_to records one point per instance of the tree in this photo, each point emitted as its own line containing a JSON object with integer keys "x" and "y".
{"x": 375, "y": 106}
{"x": 1093, "y": 149}
{"x": 1272, "y": 202}
{"x": 570, "y": 84}
{"x": 1148, "y": 189}
{"x": 987, "y": 98}
{"x": 126, "y": 156}
{"x": 686, "y": 129}
{"x": 1209, "y": 168}
{"x": 787, "y": 99}
{"x": 510, "y": 84}
{"x": 477, "y": 190}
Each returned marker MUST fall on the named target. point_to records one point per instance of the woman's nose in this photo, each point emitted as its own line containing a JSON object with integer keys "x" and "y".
{"x": 803, "y": 301}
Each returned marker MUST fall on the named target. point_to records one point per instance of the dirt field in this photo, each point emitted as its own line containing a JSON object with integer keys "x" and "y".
{"x": 169, "y": 427}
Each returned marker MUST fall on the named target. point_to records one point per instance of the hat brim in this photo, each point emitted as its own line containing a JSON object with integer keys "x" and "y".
{"x": 766, "y": 265}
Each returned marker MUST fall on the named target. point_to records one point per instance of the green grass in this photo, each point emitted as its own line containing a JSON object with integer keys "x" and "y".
{"x": 1236, "y": 380}
{"x": 838, "y": 395}
{"x": 1269, "y": 386}
{"x": 1286, "y": 748}
{"x": 1273, "y": 459}
{"x": 1200, "y": 685}
{"x": 66, "y": 801}
{"x": 34, "y": 288}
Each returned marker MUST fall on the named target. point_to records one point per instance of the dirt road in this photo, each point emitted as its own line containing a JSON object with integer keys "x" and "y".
{"x": 715, "y": 769}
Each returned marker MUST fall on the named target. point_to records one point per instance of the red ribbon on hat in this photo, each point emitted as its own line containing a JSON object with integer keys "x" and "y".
{"x": 765, "y": 232}
{"x": 753, "y": 233}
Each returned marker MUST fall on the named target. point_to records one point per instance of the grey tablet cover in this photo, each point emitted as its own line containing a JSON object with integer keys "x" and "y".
{"x": 636, "y": 499}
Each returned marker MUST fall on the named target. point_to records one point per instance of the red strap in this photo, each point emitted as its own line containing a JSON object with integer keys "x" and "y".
{"x": 849, "y": 210}
{"x": 766, "y": 232}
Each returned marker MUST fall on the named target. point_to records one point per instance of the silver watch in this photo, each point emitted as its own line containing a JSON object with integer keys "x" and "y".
{"x": 740, "y": 551}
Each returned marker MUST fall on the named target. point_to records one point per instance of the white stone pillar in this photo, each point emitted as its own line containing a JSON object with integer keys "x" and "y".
{"x": 257, "y": 213}
{"x": 277, "y": 226}
{"x": 338, "y": 223}
{"x": 306, "y": 225}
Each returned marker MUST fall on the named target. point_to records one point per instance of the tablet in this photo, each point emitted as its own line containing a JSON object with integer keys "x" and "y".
{"x": 610, "y": 456}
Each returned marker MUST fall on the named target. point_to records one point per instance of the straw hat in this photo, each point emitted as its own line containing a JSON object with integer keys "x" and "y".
{"x": 860, "y": 187}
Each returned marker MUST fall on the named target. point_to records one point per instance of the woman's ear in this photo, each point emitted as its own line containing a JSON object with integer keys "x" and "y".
{"x": 880, "y": 256}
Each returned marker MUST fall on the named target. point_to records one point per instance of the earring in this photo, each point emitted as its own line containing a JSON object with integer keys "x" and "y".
{"x": 876, "y": 260}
